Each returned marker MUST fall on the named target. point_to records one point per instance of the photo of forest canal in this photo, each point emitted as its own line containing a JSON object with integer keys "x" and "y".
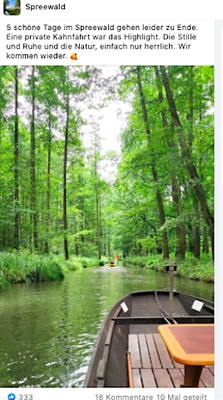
{"x": 97, "y": 162}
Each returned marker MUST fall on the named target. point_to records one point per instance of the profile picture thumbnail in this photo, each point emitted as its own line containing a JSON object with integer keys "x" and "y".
{"x": 11, "y": 7}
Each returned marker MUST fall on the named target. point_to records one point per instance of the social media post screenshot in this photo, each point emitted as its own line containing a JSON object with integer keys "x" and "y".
{"x": 107, "y": 276}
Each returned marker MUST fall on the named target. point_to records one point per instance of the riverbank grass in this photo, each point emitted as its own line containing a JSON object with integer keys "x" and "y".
{"x": 24, "y": 267}
{"x": 190, "y": 267}
{"x": 75, "y": 263}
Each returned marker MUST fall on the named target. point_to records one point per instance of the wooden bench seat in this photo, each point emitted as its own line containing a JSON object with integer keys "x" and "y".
{"x": 152, "y": 365}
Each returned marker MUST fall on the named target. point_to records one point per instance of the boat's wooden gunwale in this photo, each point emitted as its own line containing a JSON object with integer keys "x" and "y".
{"x": 90, "y": 379}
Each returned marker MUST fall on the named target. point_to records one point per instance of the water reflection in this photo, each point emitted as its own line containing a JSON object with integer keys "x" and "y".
{"x": 48, "y": 330}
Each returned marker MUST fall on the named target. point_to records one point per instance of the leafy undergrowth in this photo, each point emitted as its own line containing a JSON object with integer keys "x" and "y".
{"x": 190, "y": 267}
{"x": 75, "y": 263}
{"x": 24, "y": 267}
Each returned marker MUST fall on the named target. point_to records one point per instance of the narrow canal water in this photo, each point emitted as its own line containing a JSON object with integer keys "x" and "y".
{"x": 48, "y": 330}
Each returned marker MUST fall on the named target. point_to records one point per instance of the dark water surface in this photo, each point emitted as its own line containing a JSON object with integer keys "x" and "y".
{"x": 48, "y": 330}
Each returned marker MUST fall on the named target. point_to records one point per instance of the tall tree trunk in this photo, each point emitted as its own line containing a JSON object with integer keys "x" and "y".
{"x": 75, "y": 231}
{"x": 191, "y": 109}
{"x": 48, "y": 187}
{"x": 66, "y": 252}
{"x": 188, "y": 161}
{"x": 197, "y": 231}
{"x": 33, "y": 166}
{"x": 104, "y": 250}
{"x": 139, "y": 247}
{"x": 146, "y": 252}
{"x": 92, "y": 236}
{"x": 82, "y": 221}
{"x": 205, "y": 243}
{"x": 109, "y": 242}
{"x": 180, "y": 229}
{"x": 191, "y": 237}
{"x": 97, "y": 202}
{"x": 98, "y": 224}
{"x": 16, "y": 237}
{"x": 154, "y": 172}
{"x": 197, "y": 240}
{"x": 74, "y": 220}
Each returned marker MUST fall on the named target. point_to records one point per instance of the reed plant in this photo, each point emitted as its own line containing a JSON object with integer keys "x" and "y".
{"x": 190, "y": 267}
{"x": 25, "y": 267}
{"x": 75, "y": 263}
